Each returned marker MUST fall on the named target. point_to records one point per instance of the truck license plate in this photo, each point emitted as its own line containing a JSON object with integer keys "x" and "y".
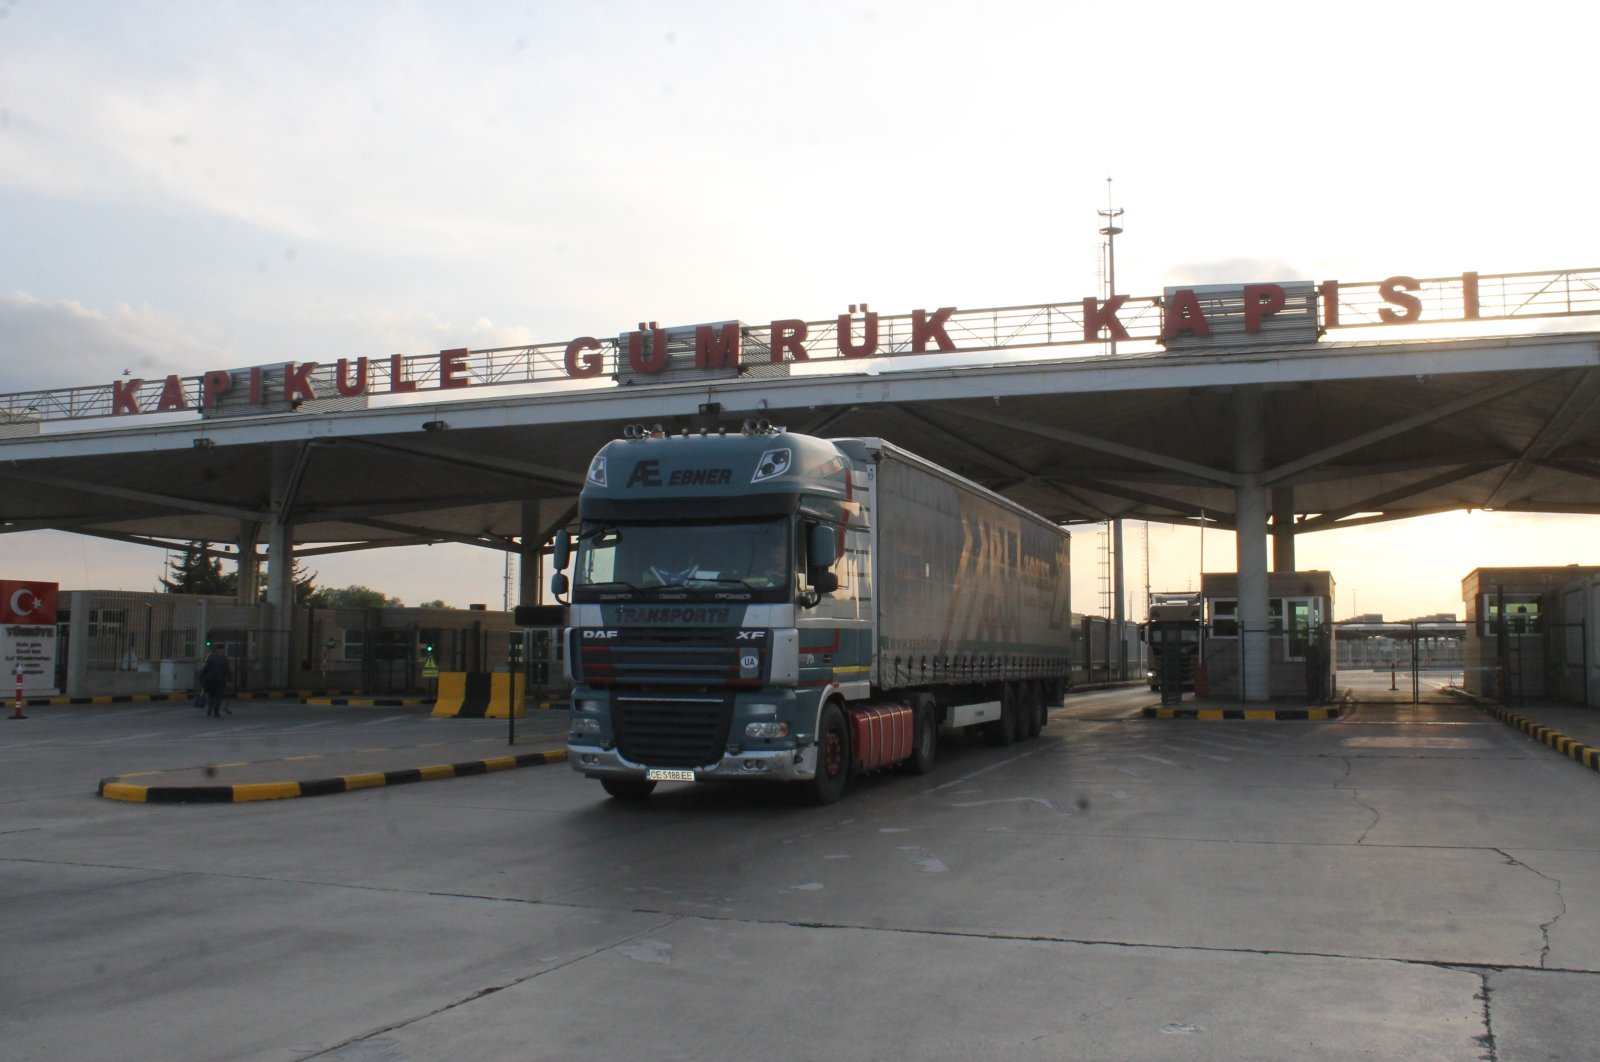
{"x": 659, "y": 775}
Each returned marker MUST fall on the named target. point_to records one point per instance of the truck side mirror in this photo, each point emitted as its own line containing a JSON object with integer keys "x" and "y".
{"x": 824, "y": 547}
{"x": 562, "y": 553}
{"x": 824, "y": 582}
{"x": 559, "y": 584}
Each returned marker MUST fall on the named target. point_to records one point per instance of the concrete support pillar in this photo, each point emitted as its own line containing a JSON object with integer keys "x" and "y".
{"x": 1283, "y": 529}
{"x": 280, "y": 568}
{"x": 1118, "y": 609}
{"x": 1250, "y": 513}
{"x": 530, "y": 572}
{"x": 541, "y": 519}
{"x": 249, "y": 562}
{"x": 77, "y": 683}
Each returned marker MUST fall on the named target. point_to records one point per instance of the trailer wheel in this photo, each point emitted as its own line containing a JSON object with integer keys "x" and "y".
{"x": 925, "y": 735}
{"x": 628, "y": 788}
{"x": 833, "y": 757}
{"x": 1003, "y": 731}
{"x": 1033, "y": 696}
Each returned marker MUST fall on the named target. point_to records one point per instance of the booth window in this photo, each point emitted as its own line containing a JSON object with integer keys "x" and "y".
{"x": 1288, "y": 619}
{"x": 1522, "y": 614}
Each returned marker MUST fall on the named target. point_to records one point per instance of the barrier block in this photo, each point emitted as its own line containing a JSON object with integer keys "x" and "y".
{"x": 503, "y": 699}
{"x": 452, "y": 692}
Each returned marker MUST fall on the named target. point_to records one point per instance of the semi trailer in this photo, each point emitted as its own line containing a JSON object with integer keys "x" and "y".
{"x": 763, "y": 605}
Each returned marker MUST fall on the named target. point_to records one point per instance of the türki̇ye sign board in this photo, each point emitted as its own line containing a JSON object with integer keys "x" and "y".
{"x": 1187, "y": 319}
{"x": 28, "y": 635}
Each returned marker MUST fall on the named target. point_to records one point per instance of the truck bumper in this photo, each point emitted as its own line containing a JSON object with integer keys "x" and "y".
{"x": 777, "y": 765}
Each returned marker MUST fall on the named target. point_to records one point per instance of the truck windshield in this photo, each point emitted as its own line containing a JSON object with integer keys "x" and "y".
{"x": 648, "y": 558}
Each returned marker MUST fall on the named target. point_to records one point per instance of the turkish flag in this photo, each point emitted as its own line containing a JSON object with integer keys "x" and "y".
{"x": 27, "y": 603}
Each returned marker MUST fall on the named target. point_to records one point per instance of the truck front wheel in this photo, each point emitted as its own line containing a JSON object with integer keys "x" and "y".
{"x": 833, "y": 757}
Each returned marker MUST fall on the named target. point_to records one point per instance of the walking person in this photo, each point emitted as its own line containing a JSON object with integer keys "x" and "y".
{"x": 214, "y": 680}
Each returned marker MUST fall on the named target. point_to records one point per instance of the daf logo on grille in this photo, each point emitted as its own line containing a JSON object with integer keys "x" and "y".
{"x": 599, "y": 634}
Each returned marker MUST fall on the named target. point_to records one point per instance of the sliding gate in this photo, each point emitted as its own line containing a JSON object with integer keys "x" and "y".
{"x": 1407, "y": 663}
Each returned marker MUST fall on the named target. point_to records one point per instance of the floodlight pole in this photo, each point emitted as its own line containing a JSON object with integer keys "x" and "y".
{"x": 1110, "y": 231}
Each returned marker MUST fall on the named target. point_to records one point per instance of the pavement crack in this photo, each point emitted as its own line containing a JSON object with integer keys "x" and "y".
{"x": 1561, "y": 903}
{"x": 1485, "y": 1039}
{"x": 1355, "y": 794}
{"x": 445, "y": 1008}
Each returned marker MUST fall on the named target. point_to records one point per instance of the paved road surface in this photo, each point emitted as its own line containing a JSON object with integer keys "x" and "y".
{"x": 1400, "y": 883}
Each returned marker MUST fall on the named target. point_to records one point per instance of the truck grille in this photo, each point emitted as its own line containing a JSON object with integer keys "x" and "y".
{"x": 672, "y": 731}
{"x": 670, "y": 657}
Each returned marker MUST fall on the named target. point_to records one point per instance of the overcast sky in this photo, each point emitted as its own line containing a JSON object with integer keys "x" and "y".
{"x": 185, "y": 186}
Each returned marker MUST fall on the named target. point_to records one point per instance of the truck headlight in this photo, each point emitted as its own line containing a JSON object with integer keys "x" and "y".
{"x": 585, "y": 726}
{"x": 766, "y": 730}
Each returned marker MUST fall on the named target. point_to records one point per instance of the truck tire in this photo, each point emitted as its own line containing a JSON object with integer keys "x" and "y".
{"x": 1033, "y": 697}
{"x": 1003, "y": 731}
{"x": 833, "y": 757}
{"x": 628, "y": 788}
{"x": 924, "y": 735}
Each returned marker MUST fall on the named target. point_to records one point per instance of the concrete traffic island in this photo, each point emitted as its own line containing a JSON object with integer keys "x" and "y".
{"x": 1268, "y": 714}
{"x": 1249, "y": 714}
{"x": 323, "y": 775}
{"x": 1568, "y": 717}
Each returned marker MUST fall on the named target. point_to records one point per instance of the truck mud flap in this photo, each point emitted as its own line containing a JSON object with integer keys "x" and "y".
{"x": 883, "y": 735}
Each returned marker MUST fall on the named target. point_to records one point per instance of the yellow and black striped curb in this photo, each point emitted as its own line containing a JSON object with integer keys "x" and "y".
{"x": 110, "y": 698}
{"x": 115, "y": 788}
{"x": 303, "y": 697}
{"x": 1587, "y": 755}
{"x": 1253, "y": 714}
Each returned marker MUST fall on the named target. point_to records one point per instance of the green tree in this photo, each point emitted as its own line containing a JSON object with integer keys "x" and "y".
{"x": 435, "y": 603}
{"x": 351, "y": 597}
{"x": 303, "y": 590}
{"x": 198, "y": 572}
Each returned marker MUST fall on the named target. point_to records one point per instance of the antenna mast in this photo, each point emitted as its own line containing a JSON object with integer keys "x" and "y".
{"x": 1111, "y": 230}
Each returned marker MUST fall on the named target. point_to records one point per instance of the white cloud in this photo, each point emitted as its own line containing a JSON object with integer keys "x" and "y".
{"x": 47, "y": 341}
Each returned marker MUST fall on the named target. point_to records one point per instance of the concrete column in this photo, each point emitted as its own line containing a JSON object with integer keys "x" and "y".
{"x": 530, "y": 572}
{"x": 249, "y": 562}
{"x": 541, "y": 518}
{"x": 1118, "y": 610}
{"x": 280, "y": 567}
{"x": 1250, "y": 512}
{"x": 77, "y": 684}
{"x": 1283, "y": 529}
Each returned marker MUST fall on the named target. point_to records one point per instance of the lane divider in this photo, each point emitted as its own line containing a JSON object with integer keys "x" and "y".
{"x": 1587, "y": 755}
{"x": 115, "y": 788}
{"x": 1253, "y": 714}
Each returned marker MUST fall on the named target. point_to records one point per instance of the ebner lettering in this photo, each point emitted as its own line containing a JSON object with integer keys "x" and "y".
{"x": 701, "y": 477}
